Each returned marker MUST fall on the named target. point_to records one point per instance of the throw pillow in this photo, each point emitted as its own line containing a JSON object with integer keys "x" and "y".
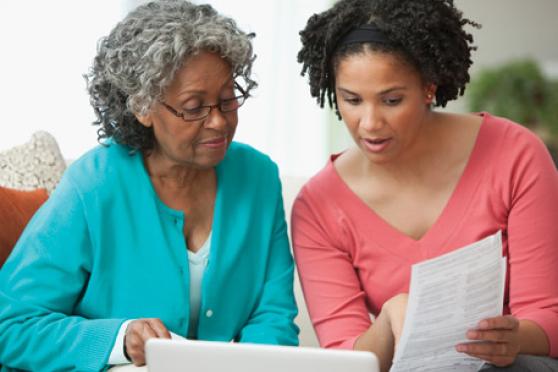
{"x": 35, "y": 164}
{"x": 16, "y": 209}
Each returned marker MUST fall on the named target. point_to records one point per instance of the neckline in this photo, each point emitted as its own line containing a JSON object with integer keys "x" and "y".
{"x": 142, "y": 169}
{"x": 147, "y": 179}
{"x": 202, "y": 253}
{"x": 450, "y": 216}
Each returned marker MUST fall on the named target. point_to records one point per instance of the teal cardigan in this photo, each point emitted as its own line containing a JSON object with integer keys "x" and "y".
{"x": 104, "y": 248}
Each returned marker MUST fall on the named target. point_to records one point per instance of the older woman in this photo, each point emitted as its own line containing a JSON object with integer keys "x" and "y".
{"x": 169, "y": 226}
{"x": 419, "y": 183}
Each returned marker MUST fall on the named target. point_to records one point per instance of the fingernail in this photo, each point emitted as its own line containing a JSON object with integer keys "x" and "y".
{"x": 460, "y": 348}
{"x": 483, "y": 324}
{"x": 472, "y": 334}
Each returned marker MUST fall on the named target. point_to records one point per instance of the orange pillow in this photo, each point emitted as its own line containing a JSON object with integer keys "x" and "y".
{"x": 16, "y": 209}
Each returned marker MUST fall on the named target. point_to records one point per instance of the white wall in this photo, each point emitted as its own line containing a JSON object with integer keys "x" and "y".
{"x": 513, "y": 29}
{"x": 46, "y": 48}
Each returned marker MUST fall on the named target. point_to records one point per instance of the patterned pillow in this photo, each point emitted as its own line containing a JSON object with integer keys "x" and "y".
{"x": 35, "y": 164}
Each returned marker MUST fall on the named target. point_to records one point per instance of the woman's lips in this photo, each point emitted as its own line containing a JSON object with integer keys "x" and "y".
{"x": 214, "y": 142}
{"x": 376, "y": 145}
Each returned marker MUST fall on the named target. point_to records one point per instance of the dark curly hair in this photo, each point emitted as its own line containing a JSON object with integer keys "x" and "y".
{"x": 138, "y": 60}
{"x": 427, "y": 34}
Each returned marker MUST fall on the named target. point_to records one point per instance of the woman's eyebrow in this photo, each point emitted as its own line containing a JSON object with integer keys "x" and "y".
{"x": 385, "y": 91}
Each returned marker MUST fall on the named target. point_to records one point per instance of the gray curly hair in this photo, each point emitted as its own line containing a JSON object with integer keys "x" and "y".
{"x": 138, "y": 60}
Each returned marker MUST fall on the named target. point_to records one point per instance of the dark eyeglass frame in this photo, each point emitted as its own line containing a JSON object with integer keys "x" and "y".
{"x": 180, "y": 114}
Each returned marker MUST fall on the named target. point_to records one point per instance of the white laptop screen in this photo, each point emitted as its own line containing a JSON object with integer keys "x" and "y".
{"x": 205, "y": 356}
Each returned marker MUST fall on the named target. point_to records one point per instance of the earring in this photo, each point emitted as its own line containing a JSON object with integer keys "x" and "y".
{"x": 429, "y": 98}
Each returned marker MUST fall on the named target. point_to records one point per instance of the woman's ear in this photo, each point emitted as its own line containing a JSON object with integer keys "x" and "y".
{"x": 430, "y": 93}
{"x": 145, "y": 120}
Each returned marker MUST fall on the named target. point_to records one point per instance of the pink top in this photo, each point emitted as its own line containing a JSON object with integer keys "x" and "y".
{"x": 350, "y": 261}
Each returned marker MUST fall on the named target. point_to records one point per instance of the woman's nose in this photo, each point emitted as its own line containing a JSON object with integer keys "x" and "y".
{"x": 371, "y": 119}
{"x": 215, "y": 119}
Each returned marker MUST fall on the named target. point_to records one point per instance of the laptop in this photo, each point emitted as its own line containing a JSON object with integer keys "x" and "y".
{"x": 164, "y": 355}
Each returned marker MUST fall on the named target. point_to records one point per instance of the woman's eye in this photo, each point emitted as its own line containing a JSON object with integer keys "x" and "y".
{"x": 192, "y": 105}
{"x": 229, "y": 103}
{"x": 352, "y": 101}
{"x": 392, "y": 101}
{"x": 193, "y": 110}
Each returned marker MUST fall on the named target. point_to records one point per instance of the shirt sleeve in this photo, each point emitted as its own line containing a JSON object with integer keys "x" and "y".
{"x": 533, "y": 238}
{"x": 272, "y": 321}
{"x": 40, "y": 287}
{"x": 332, "y": 290}
{"x": 117, "y": 354}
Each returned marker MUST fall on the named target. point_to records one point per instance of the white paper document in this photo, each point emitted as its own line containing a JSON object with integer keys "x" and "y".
{"x": 449, "y": 295}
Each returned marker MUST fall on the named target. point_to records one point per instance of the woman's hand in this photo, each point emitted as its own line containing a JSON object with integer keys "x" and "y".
{"x": 137, "y": 333}
{"x": 497, "y": 341}
{"x": 384, "y": 334}
{"x": 395, "y": 309}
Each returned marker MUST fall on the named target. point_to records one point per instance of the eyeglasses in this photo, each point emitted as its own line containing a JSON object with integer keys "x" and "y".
{"x": 201, "y": 112}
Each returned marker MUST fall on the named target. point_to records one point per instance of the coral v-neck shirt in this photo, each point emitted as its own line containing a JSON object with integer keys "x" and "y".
{"x": 351, "y": 261}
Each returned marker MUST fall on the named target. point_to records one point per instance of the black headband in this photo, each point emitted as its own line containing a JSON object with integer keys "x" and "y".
{"x": 364, "y": 34}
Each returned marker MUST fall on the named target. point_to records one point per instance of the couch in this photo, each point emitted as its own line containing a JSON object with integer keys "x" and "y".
{"x": 30, "y": 171}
